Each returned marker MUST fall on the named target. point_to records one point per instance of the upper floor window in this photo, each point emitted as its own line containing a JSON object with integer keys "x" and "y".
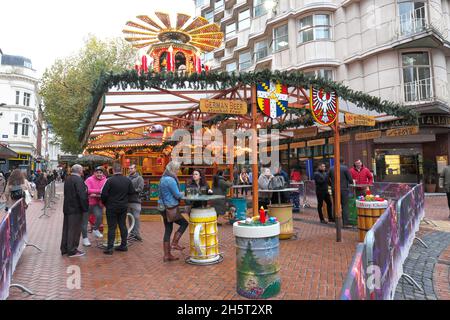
{"x": 231, "y": 67}
{"x": 261, "y": 50}
{"x": 244, "y": 19}
{"x": 416, "y": 76}
{"x": 25, "y": 125}
{"x": 26, "y": 99}
{"x": 245, "y": 60}
{"x": 17, "y": 97}
{"x": 199, "y": 3}
{"x": 314, "y": 27}
{"x": 209, "y": 16}
{"x": 259, "y": 8}
{"x": 412, "y": 16}
{"x": 207, "y": 56}
{"x": 280, "y": 38}
{"x": 230, "y": 30}
{"x": 321, "y": 73}
{"x": 218, "y": 5}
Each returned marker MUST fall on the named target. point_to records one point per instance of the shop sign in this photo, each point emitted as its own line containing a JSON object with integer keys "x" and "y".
{"x": 305, "y": 133}
{"x": 406, "y": 131}
{"x": 317, "y": 142}
{"x": 295, "y": 145}
{"x": 435, "y": 120}
{"x": 4, "y": 136}
{"x": 359, "y": 120}
{"x": 368, "y": 135}
{"x": 280, "y": 147}
{"x": 2, "y": 161}
{"x": 344, "y": 138}
{"x": 223, "y": 106}
{"x": 22, "y": 156}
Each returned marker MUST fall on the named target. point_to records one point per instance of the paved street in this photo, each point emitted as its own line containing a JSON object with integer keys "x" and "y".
{"x": 312, "y": 267}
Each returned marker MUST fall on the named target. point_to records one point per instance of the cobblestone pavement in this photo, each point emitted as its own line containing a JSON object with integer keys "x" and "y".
{"x": 312, "y": 267}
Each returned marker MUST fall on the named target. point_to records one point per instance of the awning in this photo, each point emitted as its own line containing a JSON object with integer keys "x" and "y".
{"x": 6, "y": 153}
{"x": 127, "y": 143}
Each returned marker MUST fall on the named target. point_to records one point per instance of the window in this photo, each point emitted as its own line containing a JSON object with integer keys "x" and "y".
{"x": 416, "y": 76}
{"x": 244, "y": 19}
{"x": 315, "y": 27}
{"x": 16, "y": 128}
{"x": 230, "y": 30}
{"x": 261, "y": 50}
{"x": 231, "y": 67}
{"x": 280, "y": 38}
{"x": 412, "y": 17}
{"x": 207, "y": 56}
{"x": 26, "y": 99}
{"x": 25, "y": 125}
{"x": 17, "y": 97}
{"x": 218, "y": 5}
{"x": 321, "y": 73}
{"x": 199, "y": 3}
{"x": 209, "y": 16}
{"x": 259, "y": 8}
{"x": 245, "y": 60}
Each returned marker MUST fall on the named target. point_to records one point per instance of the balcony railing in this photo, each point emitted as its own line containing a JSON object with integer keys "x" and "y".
{"x": 425, "y": 90}
{"x": 413, "y": 22}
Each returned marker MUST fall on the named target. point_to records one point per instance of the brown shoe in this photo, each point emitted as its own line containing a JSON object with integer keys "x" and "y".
{"x": 167, "y": 255}
{"x": 176, "y": 238}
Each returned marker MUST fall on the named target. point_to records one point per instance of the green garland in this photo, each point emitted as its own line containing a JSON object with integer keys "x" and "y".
{"x": 223, "y": 80}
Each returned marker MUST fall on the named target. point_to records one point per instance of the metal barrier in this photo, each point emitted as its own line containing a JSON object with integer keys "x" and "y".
{"x": 378, "y": 263}
{"x": 49, "y": 198}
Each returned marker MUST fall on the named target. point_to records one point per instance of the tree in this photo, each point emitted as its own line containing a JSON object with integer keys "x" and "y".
{"x": 66, "y": 87}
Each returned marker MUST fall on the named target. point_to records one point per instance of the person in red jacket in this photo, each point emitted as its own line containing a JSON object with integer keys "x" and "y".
{"x": 361, "y": 175}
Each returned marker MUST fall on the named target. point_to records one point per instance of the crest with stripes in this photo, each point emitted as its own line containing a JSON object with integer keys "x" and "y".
{"x": 323, "y": 106}
{"x": 272, "y": 98}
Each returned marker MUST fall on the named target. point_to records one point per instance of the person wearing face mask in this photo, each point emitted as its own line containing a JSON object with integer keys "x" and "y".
{"x": 94, "y": 185}
{"x": 321, "y": 180}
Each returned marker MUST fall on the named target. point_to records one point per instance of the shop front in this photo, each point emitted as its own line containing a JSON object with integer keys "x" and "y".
{"x": 22, "y": 161}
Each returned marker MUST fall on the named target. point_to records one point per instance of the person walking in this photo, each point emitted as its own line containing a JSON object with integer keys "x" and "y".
{"x": 115, "y": 196}
{"x": 321, "y": 180}
{"x": 94, "y": 186}
{"x": 220, "y": 187}
{"x": 134, "y": 203}
{"x": 15, "y": 188}
{"x": 41, "y": 183}
{"x": 446, "y": 175}
{"x": 75, "y": 204}
{"x": 346, "y": 181}
{"x": 362, "y": 176}
{"x": 169, "y": 197}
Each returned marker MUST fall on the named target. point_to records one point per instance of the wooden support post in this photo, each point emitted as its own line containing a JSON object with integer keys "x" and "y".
{"x": 337, "y": 176}
{"x": 254, "y": 147}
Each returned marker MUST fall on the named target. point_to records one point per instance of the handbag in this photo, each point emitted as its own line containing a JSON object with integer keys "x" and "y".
{"x": 172, "y": 214}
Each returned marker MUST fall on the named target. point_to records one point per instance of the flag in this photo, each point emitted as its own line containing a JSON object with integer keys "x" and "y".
{"x": 170, "y": 60}
{"x": 144, "y": 63}
{"x": 198, "y": 64}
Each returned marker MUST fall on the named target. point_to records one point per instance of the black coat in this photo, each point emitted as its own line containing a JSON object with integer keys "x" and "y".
{"x": 321, "y": 179}
{"x": 346, "y": 178}
{"x": 75, "y": 196}
{"x": 116, "y": 193}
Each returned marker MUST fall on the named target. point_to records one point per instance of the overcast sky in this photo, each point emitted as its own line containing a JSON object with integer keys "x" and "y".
{"x": 44, "y": 30}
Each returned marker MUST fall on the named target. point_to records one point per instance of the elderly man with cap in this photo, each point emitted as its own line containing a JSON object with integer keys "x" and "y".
{"x": 94, "y": 185}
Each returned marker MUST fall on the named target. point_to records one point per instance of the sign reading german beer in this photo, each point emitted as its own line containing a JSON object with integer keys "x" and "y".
{"x": 223, "y": 106}
{"x": 323, "y": 106}
{"x": 272, "y": 98}
{"x": 368, "y": 135}
{"x": 406, "y": 131}
{"x": 359, "y": 120}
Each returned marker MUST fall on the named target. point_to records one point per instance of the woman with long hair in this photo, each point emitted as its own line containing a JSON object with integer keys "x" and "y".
{"x": 16, "y": 187}
{"x": 199, "y": 183}
{"x": 169, "y": 197}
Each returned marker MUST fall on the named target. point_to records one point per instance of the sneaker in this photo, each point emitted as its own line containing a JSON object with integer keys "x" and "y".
{"x": 77, "y": 253}
{"x": 86, "y": 242}
{"x": 97, "y": 234}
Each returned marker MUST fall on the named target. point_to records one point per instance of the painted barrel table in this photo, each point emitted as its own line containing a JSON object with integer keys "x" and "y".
{"x": 257, "y": 265}
{"x": 368, "y": 214}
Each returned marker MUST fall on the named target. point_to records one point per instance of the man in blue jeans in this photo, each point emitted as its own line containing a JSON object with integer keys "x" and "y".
{"x": 134, "y": 202}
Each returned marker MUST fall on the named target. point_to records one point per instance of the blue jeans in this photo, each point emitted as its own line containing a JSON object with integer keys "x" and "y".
{"x": 97, "y": 211}
{"x": 135, "y": 210}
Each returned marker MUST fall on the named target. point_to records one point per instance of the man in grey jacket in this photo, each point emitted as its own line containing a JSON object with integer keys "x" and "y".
{"x": 446, "y": 175}
{"x": 134, "y": 202}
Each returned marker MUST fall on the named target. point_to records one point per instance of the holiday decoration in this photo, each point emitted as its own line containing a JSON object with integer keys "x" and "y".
{"x": 323, "y": 106}
{"x": 272, "y": 99}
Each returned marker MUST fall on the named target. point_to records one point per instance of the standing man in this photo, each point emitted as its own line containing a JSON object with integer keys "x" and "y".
{"x": 321, "y": 179}
{"x": 75, "y": 203}
{"x": 446, "y": 175}
{"x": 115, "y": 195}
{"x": 134, "y": 203}
{"x": 346, "y": 180}
{"x": 361, "y": 175}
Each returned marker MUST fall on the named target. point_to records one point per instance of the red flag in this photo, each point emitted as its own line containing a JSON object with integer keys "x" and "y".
{"x": 170, "y": 60}
{"x": 144, "y": 63}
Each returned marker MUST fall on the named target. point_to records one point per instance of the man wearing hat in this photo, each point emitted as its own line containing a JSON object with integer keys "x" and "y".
{"x": 94, "y": 184}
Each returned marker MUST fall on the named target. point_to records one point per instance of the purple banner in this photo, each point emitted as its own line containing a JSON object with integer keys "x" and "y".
{"x": 18, "y": 224}
{"x": 5, "y": 258}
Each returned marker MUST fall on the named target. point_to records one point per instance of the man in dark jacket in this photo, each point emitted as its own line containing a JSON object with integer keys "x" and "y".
{"x": 75, "y": 203}
{"x": 134, "y": 203}
{"x": 346, "y": 181}
{"x": 115, "y": 196}
{"x": 321, "y": 179}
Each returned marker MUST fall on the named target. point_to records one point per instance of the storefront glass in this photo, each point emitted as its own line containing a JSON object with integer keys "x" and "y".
{"x": 398, "y": 165}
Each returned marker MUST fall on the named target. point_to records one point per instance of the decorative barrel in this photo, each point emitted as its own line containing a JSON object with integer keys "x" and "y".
{"x": 257, "y": 266}
{"x": 283, "y": 213}
{"x": 368, "y": 214}
{"x": 204, "y": 244}
{"x": 117, "y": 239}
{"x": 241, "y": 208}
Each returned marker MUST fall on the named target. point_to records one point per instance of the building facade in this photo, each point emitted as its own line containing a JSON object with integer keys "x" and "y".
{"x": 19, "y": 103}
{"x": 394, "y": 49}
